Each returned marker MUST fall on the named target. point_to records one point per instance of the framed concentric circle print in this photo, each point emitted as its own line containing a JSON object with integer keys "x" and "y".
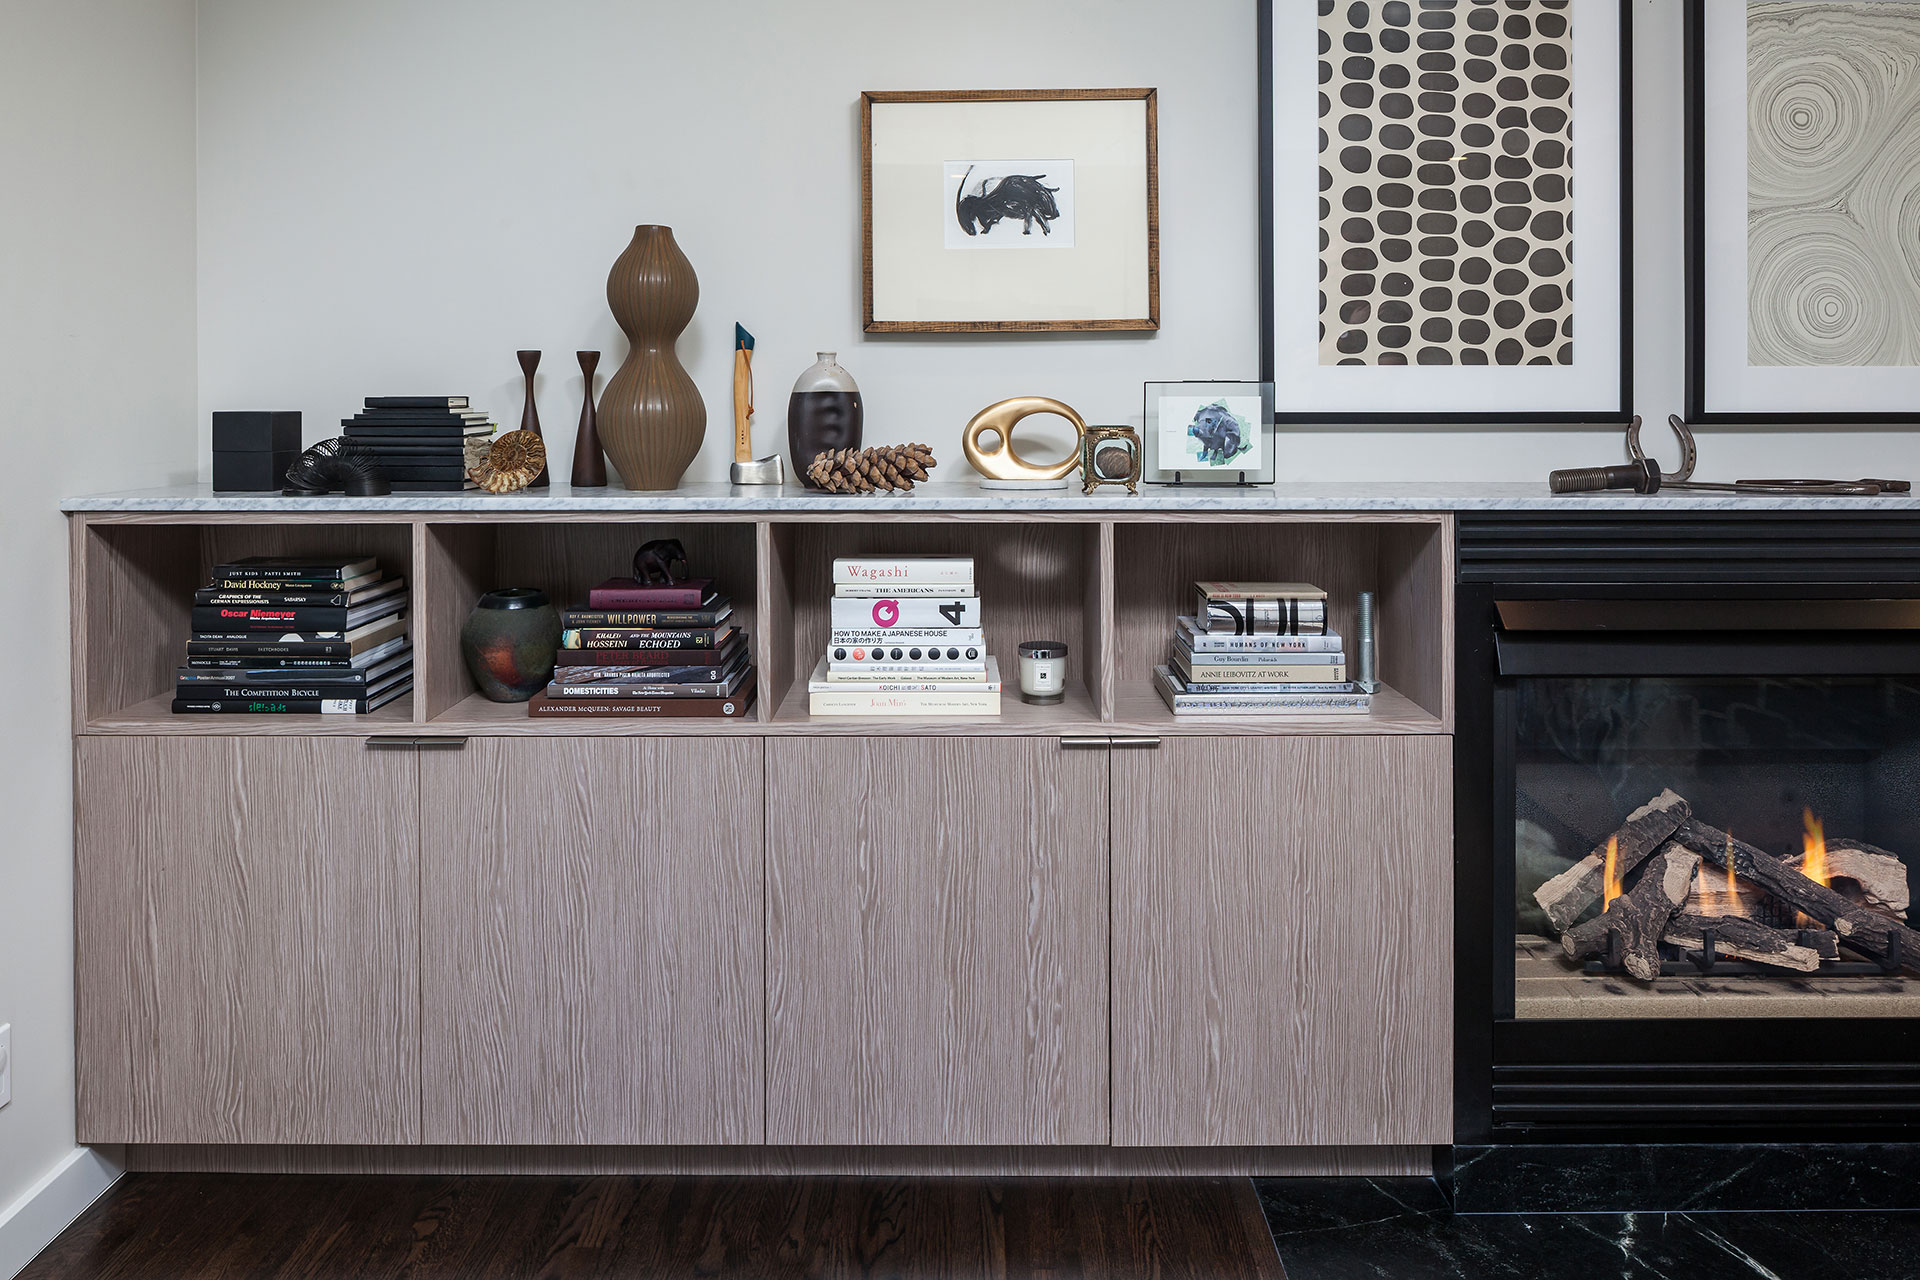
{"x": 1803, "y": 212}
{"x": 1445, "y": 210}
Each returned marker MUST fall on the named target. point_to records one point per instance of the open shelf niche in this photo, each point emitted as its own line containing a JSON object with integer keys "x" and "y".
{"x": 1406, "y": 562}
{"x": 135, "y": 583}
{"x": 566, "y": 560}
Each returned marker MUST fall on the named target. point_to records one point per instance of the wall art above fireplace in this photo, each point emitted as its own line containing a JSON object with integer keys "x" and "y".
{"x": 1803, "y": 173}
{"x": 1421, "y": 196}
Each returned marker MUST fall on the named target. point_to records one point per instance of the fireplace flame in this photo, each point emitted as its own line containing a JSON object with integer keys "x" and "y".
{"x": 1610, "y": 873}
{"x": 1734, "y": 906}
{"x": 1814, "y": 865}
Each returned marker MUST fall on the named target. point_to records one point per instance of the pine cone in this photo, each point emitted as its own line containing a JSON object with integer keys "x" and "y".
{"x": 886, "y": 468}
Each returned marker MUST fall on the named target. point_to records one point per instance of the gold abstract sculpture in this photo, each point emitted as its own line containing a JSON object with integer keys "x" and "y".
{"x": 1002, "y": 466}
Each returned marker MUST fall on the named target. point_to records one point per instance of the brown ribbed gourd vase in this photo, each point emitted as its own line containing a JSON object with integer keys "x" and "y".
{"x": 652, "y": 419}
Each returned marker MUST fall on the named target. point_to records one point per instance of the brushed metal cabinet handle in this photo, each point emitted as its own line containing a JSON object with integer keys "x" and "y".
{"x": 440, "y": 744}
{"x": 1137, "y": 743}
{"x": 389, "y": 743}
{"x": 1079, "y": 742}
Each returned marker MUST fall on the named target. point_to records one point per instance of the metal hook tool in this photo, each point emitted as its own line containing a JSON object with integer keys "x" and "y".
{"x": 1643, "y": 474}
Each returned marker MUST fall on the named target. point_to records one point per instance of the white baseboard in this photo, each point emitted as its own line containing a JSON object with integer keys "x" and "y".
{"x": 50, "y": 1205}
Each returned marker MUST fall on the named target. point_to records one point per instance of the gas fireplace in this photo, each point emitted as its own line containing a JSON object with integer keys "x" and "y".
{"x": 1688, "y": 810}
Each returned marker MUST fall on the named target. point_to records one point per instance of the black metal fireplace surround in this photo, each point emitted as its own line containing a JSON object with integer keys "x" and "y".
{"x": 1768, "y": 663}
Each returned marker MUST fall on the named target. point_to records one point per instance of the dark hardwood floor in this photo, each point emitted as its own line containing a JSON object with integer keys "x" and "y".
{"x": 155, "y": 1226}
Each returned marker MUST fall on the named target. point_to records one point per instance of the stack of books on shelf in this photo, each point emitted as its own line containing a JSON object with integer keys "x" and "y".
{"x": 657, "y": 651}
{"x": 1258, "y": 648}
{"x": 303, "y": 634}
{"x": 906, "y": 641}
{"x": 422, "y": 443}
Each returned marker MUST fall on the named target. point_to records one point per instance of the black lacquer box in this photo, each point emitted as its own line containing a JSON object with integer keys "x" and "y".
{"x": 252, "y": 450}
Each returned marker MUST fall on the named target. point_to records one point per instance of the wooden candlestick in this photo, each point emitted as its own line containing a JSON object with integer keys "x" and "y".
{"x": 589, "y": 464}
{"x": 530, "y": 415}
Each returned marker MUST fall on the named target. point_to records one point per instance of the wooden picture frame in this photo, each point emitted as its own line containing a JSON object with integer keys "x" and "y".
{"x": 1101, "y": 272}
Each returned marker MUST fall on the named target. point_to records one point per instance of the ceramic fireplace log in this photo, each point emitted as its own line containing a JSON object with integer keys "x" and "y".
{"x": 1857, "y": 926}
{"x": 1881, "y": 875}
{"x": 1738, "y": 938}
{"x": 1639, "y": 916}
{"x": 1565, "y": 896}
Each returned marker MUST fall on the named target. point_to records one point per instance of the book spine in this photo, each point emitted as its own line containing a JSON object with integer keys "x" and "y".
{"x": 220, "y": 581}
{"x": 273, "y": 599}
{"x": 196, "y": 689}
{"x": 1263, "y": 617}
{"x": 253, "y": 661}
{"x": 943, "y": 636}
{"x": 623, "y": 638}
{"x": 644, "y": 598}
{"x": 876, "y": 591}
{"x": 1259, "y": 687}
{"x": 276, "y": 705}
{"x": 638, "y": 657}
{"x": 723, "y": 689}
{"x": 283, "y": 573}
{"x": 223, "y": 618}
{"x": 969, "y": 703}
{"x": 416, "y": 402}
{"x": 1243, "y": 659}
{"x": 1249, "y": 646}
{"x": 871, "y": 570}
{"x": 664, "y": 708}
{"x": 1335, "y": 673}
{"x": 579, "y": 619}
{"x": 241, "y": 646}
{"x": 888, "y": 615}
{"x": 918, "y": 670}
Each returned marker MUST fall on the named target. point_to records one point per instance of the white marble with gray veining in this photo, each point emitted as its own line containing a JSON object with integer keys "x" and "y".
{"x": 964, "y": 496}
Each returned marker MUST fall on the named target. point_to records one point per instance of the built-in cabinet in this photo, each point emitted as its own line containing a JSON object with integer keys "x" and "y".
{"x": 1080, "y": 925}
{"x": 248, "y": 941}
{"x": 936, "y": 941}
{"x": 592, "y": 945}
{"x": 1282, "y": 918}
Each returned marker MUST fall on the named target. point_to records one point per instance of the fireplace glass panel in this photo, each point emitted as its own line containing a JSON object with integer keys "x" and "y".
{"x": 1822, "y": 773}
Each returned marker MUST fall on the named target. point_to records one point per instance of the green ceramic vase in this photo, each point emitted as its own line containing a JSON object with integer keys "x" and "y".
{"x": 510, "y": 641}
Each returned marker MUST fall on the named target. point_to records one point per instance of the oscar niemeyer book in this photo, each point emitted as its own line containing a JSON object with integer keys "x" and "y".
{"x": 221, "y": 619}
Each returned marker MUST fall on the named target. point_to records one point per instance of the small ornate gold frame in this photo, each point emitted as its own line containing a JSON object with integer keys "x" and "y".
{"x": 1127, "y": 439}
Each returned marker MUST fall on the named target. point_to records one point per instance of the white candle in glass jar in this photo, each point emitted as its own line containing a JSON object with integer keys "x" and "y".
{"x": 1043, "y": 670}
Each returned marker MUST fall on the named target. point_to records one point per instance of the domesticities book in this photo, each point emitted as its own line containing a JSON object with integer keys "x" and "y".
{"x": 300, "y": 644}
{"x": 542, "y": 704}
{"x": 630, "y": 593}
{"x": 875, "y": 590}
{"x": 220, "y": 619}
{"x": 1175, "y": 695}
{"x": 711, "y": 613}
{"x": 871, "y": 570}
{"x": 645, "y": 638}
{"x": 935, "y": 702}
{"x": 416, "y": 402}
{"x": 284, "y": 662}
{"x": 825, "y": 679}
{"x": 1219, "y": 642}
{"x": 201, "y": 705}
{"x": 723, "y": 688}
{"x": 1325, "y": 673}
{"x": 649, "y": 657}
{"x": 300, "y": 599}
{"x": 886, "y": 614}
{"x": 301, "y": 568}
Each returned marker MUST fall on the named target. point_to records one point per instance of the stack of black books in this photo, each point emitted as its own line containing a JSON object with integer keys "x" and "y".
{"x": 420, "y": 442}
{"x": 308, "y": 634}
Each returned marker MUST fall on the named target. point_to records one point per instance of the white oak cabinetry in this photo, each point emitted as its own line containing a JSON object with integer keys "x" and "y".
{"x": 1089, "y": 927}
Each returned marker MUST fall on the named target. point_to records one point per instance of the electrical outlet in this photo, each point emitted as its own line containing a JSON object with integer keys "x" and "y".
{"x": 6, "y": 1064}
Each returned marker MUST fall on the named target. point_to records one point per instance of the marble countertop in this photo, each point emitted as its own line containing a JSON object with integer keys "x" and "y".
{"x": 965, "y": 496}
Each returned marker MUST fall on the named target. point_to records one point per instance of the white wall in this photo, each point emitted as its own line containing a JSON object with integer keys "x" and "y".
{"x": 96, "y": 392}
{"x": 395, "y": 196}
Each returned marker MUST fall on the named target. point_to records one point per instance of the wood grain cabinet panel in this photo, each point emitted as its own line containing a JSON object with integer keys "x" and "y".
{"x": 937, "y": 941}
{"x": 1282, "y": 925}
{"x": 593, "y": 951}
{"x": 247, "y": 941}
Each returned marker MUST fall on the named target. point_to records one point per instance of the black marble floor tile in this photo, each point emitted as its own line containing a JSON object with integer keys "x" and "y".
{"x": 1686, "y": 1178}
{"x": 1401, "y": 1229}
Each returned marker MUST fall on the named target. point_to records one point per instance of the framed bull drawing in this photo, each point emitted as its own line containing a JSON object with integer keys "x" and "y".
{"x": 1009, "y": 210}
{"x": 1208, "y": 433}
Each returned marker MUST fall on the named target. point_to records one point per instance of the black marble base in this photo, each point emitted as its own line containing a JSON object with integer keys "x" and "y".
{"x": 1400, "y": 1228}
{"x": 1686, "y": 1178}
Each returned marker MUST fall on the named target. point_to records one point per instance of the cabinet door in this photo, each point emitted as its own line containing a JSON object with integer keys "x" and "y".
{"x": 1282, "y": 925}
{"x": 593, "y": 940}
{"x": 937, "y": 941}
{"x": 247, "y": 940}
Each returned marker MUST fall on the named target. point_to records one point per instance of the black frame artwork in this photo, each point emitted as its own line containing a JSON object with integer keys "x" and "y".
{"x": 1619, "y": 411}
{"x": 1698, "y": 408}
